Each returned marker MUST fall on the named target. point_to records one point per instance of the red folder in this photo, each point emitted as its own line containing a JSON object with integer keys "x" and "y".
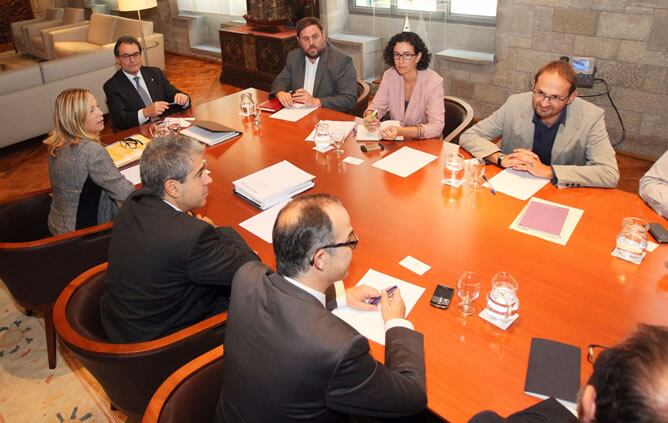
{"x": 544, "y": 218}
{"x": 272, "y": 105}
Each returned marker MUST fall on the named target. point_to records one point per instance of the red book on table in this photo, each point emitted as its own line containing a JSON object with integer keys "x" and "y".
{"x": 545, "y": 218}
{"x": 272, "y": 105}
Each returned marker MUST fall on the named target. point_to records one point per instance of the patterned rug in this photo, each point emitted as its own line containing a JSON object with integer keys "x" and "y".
{"x": 29, "y": 391}
{"x": 10, "y": 60}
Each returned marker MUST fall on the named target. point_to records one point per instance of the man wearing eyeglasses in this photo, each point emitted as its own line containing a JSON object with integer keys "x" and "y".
{"x": 136, "y": 93}
{"x": 548, "y": 132}
{"x": 317, "y": 74}
{"x": 287, "y": 358}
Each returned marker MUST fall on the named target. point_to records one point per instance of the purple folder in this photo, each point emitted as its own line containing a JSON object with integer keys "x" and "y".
{"x": 544, "y": 218}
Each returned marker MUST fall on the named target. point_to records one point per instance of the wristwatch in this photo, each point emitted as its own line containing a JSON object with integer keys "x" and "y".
{"x": 500, "y": 158}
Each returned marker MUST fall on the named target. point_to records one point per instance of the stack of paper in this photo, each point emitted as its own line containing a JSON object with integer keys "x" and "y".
{"x": 122, "y": 154}
{"x": 274, "y": 184}
{"x": 345, "y": 126}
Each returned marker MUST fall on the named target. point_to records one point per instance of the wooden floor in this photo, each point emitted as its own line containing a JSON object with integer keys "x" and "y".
{"x": 23, "y": 166}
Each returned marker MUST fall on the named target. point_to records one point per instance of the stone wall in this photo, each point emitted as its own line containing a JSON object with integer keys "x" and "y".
{"x": 628, "y": 38}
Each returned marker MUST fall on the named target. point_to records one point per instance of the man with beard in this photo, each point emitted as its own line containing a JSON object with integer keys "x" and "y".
{"x": 548, "y": 132}
{"x": 317, "y": 74}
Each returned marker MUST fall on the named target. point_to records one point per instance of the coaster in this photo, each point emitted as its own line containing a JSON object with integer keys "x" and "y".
{"x": 617, "y": 254}
{"x": 452, "y": 184}
{"x": 501, "y": 324}
{"x": 323, "y": 149}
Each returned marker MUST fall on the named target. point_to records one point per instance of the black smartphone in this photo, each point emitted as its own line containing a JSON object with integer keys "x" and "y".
{"x": 658, "y": 232}
{"x": 442, "y": 296}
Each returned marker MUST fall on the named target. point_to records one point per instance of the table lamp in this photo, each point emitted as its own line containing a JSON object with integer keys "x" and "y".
{"x": 138, "y": 5}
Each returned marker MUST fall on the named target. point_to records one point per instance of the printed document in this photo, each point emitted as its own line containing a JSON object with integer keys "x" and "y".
{"x": 274, "y": 184}
{"x": 405, "y": 161}
{"x": 262, "y": 224}
{"x": 517, "y": 183}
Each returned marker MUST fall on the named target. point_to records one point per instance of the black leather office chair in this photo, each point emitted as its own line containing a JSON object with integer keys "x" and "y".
{"x": 458, "y": 117}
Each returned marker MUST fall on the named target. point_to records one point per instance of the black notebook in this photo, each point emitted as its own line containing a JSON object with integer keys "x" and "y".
{"x": 554, "y": 371}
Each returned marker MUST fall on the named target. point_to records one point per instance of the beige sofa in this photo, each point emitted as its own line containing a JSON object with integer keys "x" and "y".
{"x": 101, "y": 33}
{"x": 52, "y": 17}
{"x": 28, "y": 94}
{"x": 34, "y": 34}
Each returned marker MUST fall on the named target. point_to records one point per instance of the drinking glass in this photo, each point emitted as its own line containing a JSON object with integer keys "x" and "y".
{"x": 322, "y": 137}
{"x": 502, "y": 301}
{"x": 468, "y": 290}
{"x": 255, "y": 114}
{"x": 159, "y": 129}
{"x": 632, "y": 240}
{"x": 453, "y": 169}
{"x": 338, "y": 137}
{"x": 246, "y": 104}
{"x": 174, "y": 127}
{"x": 475, "y": 170}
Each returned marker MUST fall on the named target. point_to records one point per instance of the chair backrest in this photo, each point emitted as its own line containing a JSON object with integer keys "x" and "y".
{"x": 362, "y": 98}
{"x": 101, "y": 29}
{"x": 129, "y": 373}
{"x": 191, "y": 393}
{"x": 72, "y": 15}
{"x": 458, "y": 117}
{"x": 126, "y": 26}
{"x": 53, "y": 13}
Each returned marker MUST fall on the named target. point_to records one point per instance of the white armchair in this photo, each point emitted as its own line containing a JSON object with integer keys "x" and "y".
{"x": 32, "y": 34}
{"x": 53, "y": 16}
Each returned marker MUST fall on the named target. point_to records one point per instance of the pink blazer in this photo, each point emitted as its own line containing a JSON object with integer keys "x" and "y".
{"x": 425, "y": 106}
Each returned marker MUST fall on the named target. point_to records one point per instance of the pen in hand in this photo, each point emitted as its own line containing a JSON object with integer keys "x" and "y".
{"x": 376, "y": 300}
{"x": 491, "y": 188}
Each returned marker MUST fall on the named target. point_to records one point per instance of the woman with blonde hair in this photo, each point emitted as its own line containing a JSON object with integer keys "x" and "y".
{"x": 87, "y": 188}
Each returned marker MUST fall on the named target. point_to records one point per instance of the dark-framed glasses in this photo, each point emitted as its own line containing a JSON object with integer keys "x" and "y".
{"x": 352, "y": 243}
{"x": 540, "y": 96}
{"x": 130, "y": 143}
{"x": 405, "y": 56}
{"x": 130, "y": 56}
{"x": 593, "y": 351}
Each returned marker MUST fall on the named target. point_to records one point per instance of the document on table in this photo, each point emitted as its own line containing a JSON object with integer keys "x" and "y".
{"x": 370, "y": 323}
{"x": 292, "y": 114}
{"x": 132, "y": 174}
{"x": 345, "y": 126}
{"x": 565, "y": 231}
{"x": 517, "y": 184}
{"x": 405, "y": 161}
{"x": 364, "y": 134}
{"x": 274, "y": 184}
{"x": 262, "y": 224}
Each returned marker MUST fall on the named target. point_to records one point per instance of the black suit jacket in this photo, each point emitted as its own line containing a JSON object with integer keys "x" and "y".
{"x": 167, "y": 270}
{"x": 124, "y": 101}
{"x": 288, "y": 358}
{"x": 548, "y": 411}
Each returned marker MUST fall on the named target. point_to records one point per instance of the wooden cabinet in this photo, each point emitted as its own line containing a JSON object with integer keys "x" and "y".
{"x": 253, "y": 59}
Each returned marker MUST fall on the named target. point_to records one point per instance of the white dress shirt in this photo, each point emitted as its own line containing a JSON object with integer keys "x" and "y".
{"x": 309, "y": 74}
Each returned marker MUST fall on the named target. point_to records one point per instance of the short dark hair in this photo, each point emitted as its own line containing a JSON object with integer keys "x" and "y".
{"x": 563, "y": 69}
{"x": 306, "y": 22}
{"x": 630, "y": 379}
{"x": 167, "y": 157}
{"x": 125, "y": 39}
{"x": 302, "y": 227}
{"x": 414, "y": 40}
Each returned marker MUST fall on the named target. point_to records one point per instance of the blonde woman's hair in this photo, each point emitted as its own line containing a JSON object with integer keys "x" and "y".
{"x": 70, "y": 118}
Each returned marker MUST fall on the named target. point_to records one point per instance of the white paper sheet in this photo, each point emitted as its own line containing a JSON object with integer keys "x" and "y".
{"x": 292, "y": 114}
{"x": 353, "y": 160}
{"x": 570, "y": 223}
{"x": 262, "y": 224}
{"x": 364, "y": 134}
{"x": 405, "y": 161}
{"x": 345, "y": 126}
{"x": 517, "y": 184}
{"x": 132, "y": 174}
{"x": 370, "y": 323}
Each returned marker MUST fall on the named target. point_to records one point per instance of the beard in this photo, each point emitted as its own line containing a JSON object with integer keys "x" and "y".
{"x": 315, "y": 55}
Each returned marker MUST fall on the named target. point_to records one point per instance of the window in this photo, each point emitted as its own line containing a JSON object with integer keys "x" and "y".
{"x": 224, "y": 7}
{"x": 481, "y": 12}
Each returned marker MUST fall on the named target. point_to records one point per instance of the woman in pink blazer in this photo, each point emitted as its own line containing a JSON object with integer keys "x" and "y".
{"x": 411, "y": 92}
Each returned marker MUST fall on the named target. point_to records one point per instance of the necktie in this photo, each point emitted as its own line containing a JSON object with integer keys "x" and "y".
{"x": 142, "y": 93}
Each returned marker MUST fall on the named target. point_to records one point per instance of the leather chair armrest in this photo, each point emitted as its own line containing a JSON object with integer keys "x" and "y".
{"x": 77, "y": 33}
{"x": 49, "y": 52}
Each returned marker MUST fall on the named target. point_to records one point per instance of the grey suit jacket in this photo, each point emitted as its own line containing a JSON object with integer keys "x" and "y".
{"x": 288, "y": 358}
{"x": 581, "y": 156}
{"x": 335, "y": 79}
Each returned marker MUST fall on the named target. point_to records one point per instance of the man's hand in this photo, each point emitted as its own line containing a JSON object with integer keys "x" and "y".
{"x": 389, "y": 132}
{"x": 528, "y": 161}
{"x": 285, "y": 98}
{"x": 394, "y": 307}
{"x": 181, "y": 99}
{"x": 304, "y": 97}
{"x": 357, "y": 297}
{"x": 156, "y": 109}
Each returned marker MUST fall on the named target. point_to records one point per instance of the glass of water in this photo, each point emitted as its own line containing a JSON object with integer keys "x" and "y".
{"x": 502, "y": 301}
{"x": 322, "y": 137}
{"x": 632, "y": 240}
{"x": 475, "y": 170}
{"x": 246, "y": 104}
{"x": 338, "y": 137}
{"x": 453, "y": 169}
{"x": 468, "y": 290}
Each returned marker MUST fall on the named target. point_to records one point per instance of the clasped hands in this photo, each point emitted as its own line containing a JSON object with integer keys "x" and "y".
{"x": 528, "y": 161}
{"x": 391, "y": 306}
{"x": 159, "y": 107}
{"x": 300, "y": 96}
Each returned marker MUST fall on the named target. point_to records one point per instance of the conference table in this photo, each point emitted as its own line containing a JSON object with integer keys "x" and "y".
{"x": 577, "y": 294}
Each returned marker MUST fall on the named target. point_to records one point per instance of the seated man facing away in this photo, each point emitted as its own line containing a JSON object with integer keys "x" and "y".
{"x": 317, "y": 74}
{"x": 550, "y": 133}
{"x": 629, "y": 385}
{"x": 168, "y": 268}
{"x": 654, "y": 186}
{"x": 137, "y": 93}
{"x": 287, "y": 358}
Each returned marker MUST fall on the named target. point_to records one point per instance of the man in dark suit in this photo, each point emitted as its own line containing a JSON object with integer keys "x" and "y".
{"x": 136, "y": 93}
{"x": 629, "y": 384}
{"x": 287, "y": 358}
{"x": 317, "y": 74}
{"x": 168, "y": 268}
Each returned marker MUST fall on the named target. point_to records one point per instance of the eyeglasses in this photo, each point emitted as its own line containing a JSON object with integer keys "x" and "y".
{"x": 130, "y": 56}
{"x": 593, "y": 351}
{"x": 540, "y": 96}
{"x": 352, "y": 244}
{"x": 130, "y": 143}
{"x": 405, "y": 56}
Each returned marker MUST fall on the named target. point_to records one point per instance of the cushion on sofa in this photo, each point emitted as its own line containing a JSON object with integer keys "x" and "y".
{"x": 102, "y": 29}
{"x": 20, "y": 79}
{"x": 55, "y": 70}
{"x": 70, "y": 48}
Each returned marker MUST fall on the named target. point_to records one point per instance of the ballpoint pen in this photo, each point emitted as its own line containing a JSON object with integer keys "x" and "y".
{"x": 491, "y": 188}
{"x": 376, "y": 300}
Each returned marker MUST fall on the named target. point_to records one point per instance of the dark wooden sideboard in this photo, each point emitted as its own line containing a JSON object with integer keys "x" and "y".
{"x": 251, "y": 58}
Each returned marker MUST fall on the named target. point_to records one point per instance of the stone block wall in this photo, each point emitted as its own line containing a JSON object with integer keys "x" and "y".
{"x": 628, "y": 38}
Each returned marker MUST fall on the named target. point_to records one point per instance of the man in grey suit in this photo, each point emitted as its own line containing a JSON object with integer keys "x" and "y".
{"x": 287, "y": 358}
{"x": 550, "y": 133}
{"x": 318, "y": 74}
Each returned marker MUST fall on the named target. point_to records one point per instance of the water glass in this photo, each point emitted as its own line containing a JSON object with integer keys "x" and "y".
{"x": 158, "y": 129}
{"x": 632, "y": 240}
{"x": 246, "y": 104}
{"x": 322, "y": 137}
{"x": 453, "y": 169}
{"x": 468, "y": 290}
{"x": 338, "y": 137}
{"x": 502, "y": 301}
{"x": 475, "y": 170}
{"x": 174, "y": 127}
{"x": 255, "y": 114}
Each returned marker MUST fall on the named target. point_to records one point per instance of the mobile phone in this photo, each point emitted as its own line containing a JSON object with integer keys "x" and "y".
{"x": 442, "y": 296}
{"x": 658, "y": 232}
{"x": 372, "y": 147}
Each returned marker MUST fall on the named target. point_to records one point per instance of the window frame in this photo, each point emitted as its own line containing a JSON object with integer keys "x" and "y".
{"x": 439, "y": 16}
